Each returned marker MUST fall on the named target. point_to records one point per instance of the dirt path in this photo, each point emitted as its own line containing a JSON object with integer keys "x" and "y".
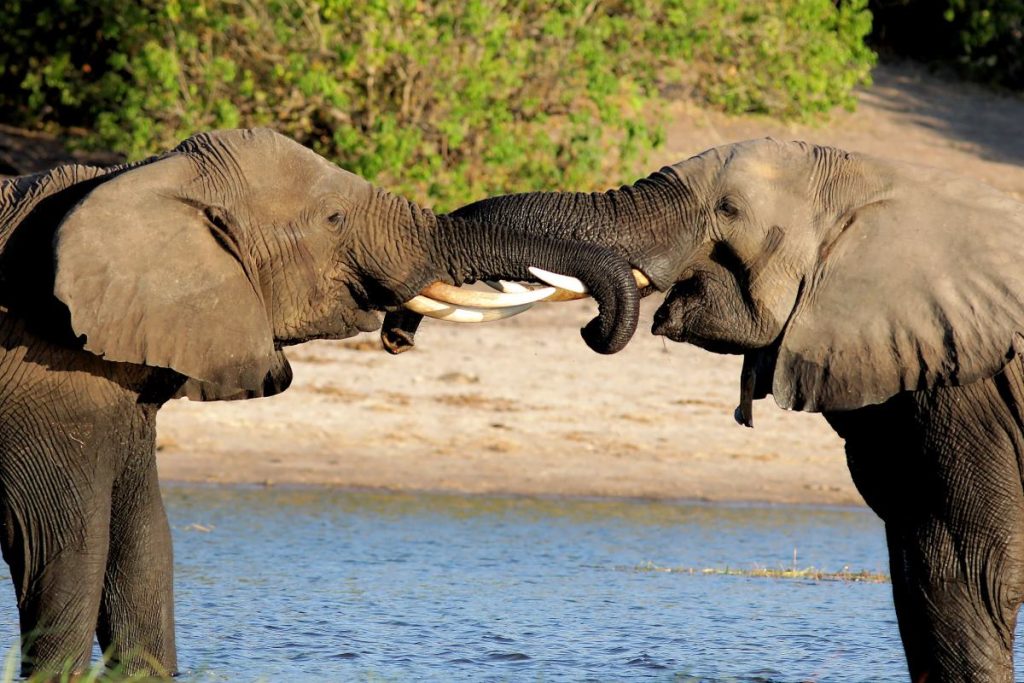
{"x": 523, "y": 407}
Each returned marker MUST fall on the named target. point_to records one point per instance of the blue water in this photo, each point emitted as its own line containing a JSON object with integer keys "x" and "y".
{"x": 305, "y": 584}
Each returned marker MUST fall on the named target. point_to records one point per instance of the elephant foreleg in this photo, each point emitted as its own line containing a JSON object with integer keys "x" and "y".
{"x": 942, "y": 472}
{"x": 957, "y": 610}
{"x": 58, "y": 577}
{"x": 136, "y": 620}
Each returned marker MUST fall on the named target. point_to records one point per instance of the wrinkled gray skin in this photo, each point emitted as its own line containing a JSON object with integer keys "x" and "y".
{"x": 185, "y": 275}
{"x": 890, "y": 298}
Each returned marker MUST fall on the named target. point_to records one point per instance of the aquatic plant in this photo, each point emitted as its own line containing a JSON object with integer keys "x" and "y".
{"x": 806, "y": 573}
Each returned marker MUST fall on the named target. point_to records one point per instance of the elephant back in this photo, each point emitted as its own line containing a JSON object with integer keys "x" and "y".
{"x": 21, "y": 196}
{"x": 31, "y": 208}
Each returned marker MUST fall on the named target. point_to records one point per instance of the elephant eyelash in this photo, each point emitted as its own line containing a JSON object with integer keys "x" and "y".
{"x": 337, "y": 219}
{"x": 727, "y": 208}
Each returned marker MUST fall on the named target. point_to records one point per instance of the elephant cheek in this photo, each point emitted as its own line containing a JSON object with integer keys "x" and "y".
{"x": 673, "y": 317}
{"x": 707, "y": 313}
{"x": 666, "y": 324}
{"x": 349, "y": 318}
{"x": 347, "y": 323}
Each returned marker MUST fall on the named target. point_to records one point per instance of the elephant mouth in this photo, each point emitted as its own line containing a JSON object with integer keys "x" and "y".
{"x": 444, "y": 302}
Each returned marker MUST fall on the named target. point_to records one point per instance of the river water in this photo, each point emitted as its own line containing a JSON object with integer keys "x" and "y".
{"x": 325, "y": 585}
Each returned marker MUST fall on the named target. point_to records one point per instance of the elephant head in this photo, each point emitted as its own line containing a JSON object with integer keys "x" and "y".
{"x": 842, "y": 279}
{"x": 210, "y": 258}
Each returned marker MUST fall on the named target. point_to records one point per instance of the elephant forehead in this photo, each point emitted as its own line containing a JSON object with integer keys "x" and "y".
{"x": 304, "y": 187}
{"x": 277, "y": 170}
{"x": 765, "y": 160}
{"x": 760, "y": 160}
{"x": 757, "y": 167}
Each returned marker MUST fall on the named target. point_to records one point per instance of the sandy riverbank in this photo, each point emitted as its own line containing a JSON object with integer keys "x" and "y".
{"x": 523, "y": 407}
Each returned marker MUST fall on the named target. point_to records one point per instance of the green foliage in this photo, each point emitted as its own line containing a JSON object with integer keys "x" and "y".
{"x": 984, "y": 39}
{"x": 788, "y": 58}
{"x": 991, "y": 38}
{"x": 801, "y": 574}
{"x": 442, "y": 101}
{"x": 96, "y": 672}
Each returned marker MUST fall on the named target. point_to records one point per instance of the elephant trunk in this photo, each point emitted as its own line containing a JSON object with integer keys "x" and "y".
{"x": 645, "y": 222}
{"x": 470, "y": 250}
{"x": 477, "y": 252}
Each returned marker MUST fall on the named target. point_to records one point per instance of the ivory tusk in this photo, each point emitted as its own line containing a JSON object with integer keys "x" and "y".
{"x": 556, "y": 280}
{"x": 566, "y": 295}
{"x": 444, "y": 302}
{"x": 506, "y": 286}
{"x": 641, "y": 279}
{"x": 571, "y": 284}
{"x": 461, "y": 314}
{"x": 457, "y": 296}
{"x": 559, "y": 295}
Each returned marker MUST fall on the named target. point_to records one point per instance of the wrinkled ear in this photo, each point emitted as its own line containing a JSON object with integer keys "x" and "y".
{"x": 277, "y": 380}
{"x": 922, "y": 288}
{"x": 146, "y": 281}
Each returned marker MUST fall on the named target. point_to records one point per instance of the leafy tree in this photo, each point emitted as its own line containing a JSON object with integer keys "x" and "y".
{"x": 443, "y": 101}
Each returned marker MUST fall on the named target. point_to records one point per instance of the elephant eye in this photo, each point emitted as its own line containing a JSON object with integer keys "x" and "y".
{"x": 337, "y": 219}
{"x": 727, "y": 208}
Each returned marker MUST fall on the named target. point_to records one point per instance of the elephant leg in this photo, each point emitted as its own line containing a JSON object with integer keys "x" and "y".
{"x": 957, "y": 590}
{"x": 136, "y": 620}
{"x": 942, "y": 472}
{"x": 55, "y": 542}
{"x": 913, "y": 631}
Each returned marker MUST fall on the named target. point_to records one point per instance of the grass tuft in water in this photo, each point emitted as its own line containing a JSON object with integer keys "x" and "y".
{"x": 806, "y": 574}
{"x": 97, "y": 672}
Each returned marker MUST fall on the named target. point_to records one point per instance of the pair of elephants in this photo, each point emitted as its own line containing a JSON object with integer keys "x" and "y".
{"x": 886, "y": 296}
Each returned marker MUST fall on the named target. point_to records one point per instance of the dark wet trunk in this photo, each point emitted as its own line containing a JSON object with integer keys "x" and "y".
{"x": 497, "y": 252}
{"x": 646, "y": 222}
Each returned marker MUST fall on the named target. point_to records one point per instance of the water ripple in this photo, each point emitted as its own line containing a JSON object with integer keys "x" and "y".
{"x": 507, "y": 657}
{"x": 299, "y": 585}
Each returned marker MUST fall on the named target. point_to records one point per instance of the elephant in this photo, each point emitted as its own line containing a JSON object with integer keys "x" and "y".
{"x": 186, "y": 275}
{"x": 887, "y": 296}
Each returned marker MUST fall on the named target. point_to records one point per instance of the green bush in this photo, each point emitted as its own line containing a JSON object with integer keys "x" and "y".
{"x": 991, "y": 37}
{"x": 442, "y": 101}
{"x": 983, "y": 39}
{"x": 787, "y": 58}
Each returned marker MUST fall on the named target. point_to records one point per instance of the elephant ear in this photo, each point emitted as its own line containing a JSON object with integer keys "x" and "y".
{"x": 147, "y": 280}
{"x": 277, "y": 380}
{"x": 923, "y": 287}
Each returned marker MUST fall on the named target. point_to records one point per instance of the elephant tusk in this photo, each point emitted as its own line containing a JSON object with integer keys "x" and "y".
{"x": 570, "y": 285}
{"x": 559, "y": 295}
{"x": 641, "y": 280}
{"x": 454, "y": 304}
{"x": 566, "y": 295}
{"x": 457, "y": 296}
{"x": 561, "y": 281}
{"x": 506, "y": 286}
{"x": 461, "y": 314}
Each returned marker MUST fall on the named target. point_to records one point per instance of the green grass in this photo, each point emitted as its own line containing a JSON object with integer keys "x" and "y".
{"x": 806, "y": 574}
{"x": 442, "y": 102}
{"x": 97, "y": 672}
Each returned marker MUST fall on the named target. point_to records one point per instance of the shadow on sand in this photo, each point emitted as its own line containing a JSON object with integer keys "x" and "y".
{"x": 990, "y": 122}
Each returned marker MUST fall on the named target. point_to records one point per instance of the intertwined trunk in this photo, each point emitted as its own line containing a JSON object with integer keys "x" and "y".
{"x": 646, "y": 223}
{"x": 478, "y": 250}
{"x": 596, "y": 237}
